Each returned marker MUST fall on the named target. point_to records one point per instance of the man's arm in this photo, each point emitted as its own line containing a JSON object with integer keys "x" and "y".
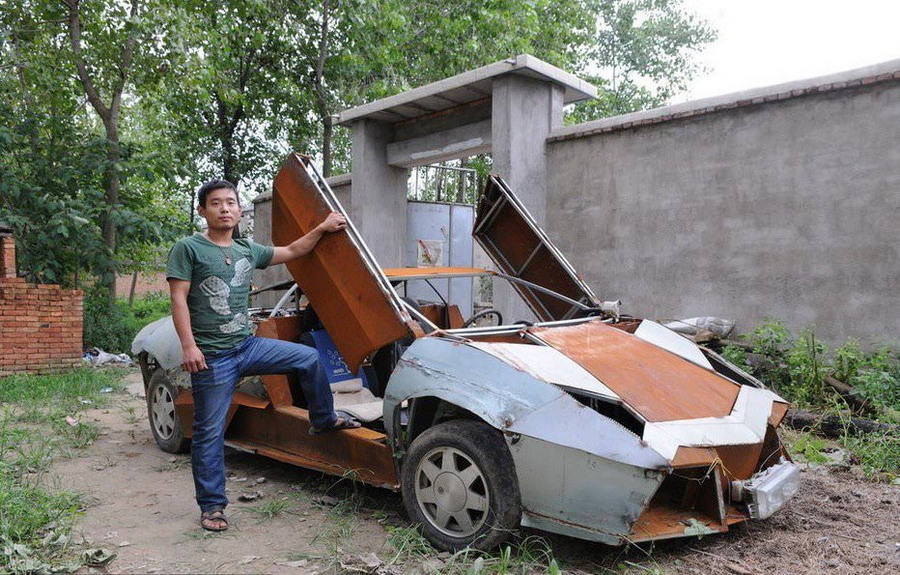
{"x": 181, "y": 317}
{"x": 302, "y": 246}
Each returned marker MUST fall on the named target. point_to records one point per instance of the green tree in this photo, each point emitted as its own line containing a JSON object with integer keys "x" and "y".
{"x": 64, "y": 164}
{"x": 222, "y": 97}
{"x": 639, "y": 53}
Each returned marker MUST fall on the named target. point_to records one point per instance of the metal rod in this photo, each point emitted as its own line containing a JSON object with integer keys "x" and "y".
{"x": 542, "y": 289}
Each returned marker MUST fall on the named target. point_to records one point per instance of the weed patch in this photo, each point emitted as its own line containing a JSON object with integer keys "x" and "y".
{"x": 35, "y": 518}
{"x": 530, "y": 555}
{"x": 798, "y": 367}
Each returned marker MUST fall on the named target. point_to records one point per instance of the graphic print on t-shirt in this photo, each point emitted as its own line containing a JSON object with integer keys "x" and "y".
{"x": 218, "y": 292}
{"x": 242, "y": 269}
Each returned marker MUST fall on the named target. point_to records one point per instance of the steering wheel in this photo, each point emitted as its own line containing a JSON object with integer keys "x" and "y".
{"x": 484, "y": 313}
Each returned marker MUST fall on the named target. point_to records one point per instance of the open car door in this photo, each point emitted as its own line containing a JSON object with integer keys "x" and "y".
{"x": 522, "y": 251}
{"x": 350, "y": 294}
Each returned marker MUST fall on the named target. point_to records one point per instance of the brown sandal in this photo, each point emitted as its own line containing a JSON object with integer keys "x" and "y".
{"x": 214, "y": 520}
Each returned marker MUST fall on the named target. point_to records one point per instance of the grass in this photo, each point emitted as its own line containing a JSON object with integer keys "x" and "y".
{"x": 530, "y": 555}
{"x": 131, "y": 417}
{"x": 36, "y": 516}
{"x": 269, "y": 509}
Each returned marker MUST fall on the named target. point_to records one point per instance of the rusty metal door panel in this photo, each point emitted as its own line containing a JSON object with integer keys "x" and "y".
{"x": 657, "y": 384}
{"x": 355, "y": 302}
{"x": 283, "y": 434}
{"x": 521, "y": 249}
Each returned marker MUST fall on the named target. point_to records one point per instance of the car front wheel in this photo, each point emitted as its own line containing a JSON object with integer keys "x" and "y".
{"x": 460, "y": 486}
{"x": 164, "y": 421}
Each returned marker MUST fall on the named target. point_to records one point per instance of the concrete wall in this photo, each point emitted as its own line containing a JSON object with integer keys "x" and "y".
{"x": 784, "y": 203}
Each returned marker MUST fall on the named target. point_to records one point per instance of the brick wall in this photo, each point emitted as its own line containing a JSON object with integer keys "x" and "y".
{"x": 40, "y": 325}
{"x": 7, "y": 256}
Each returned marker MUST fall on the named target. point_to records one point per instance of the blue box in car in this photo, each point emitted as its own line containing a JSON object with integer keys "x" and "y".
{"x": 332, "y": 362}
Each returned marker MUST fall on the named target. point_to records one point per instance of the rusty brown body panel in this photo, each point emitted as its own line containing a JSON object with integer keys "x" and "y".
{"x": 355, "y": 310}
{"x": 283, "y": 433}
{"x": 659, "y": 385}
{"x": 517, "y": 246}
{"x": 668, "y": 522}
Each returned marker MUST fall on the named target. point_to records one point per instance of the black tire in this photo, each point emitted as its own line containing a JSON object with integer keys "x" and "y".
{"x": 164, "y": 421}
{"x": 459, "y": 485}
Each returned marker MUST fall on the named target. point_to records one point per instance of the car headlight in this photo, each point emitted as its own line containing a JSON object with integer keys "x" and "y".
{"x": 767, "y": 491}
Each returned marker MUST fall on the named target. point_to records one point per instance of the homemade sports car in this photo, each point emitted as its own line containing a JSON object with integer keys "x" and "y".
{"x": 584, "y": 422}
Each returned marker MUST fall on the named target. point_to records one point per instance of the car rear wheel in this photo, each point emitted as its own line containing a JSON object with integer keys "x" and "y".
{"x": 164, "y": 421}
{"x": 460, "y": 486}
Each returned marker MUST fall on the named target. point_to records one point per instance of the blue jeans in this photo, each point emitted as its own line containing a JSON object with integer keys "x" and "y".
{"x": 214, "y": 387}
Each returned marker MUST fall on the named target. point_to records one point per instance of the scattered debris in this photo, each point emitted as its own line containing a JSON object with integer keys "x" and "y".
{"x": 432, "y": 565}
{"x": 831, "y": 425}
{"x": 71, "y": 421}
{"x": 697, "y": 528}
{"x": 366, "y": 563}
{"x": 298, "y": 563}
{"x": 250, "y": 496}
{"x": 96, "y": 357}
{"x": 97, "y": 557}
{"x": 327, "y": 500}
{"x": 248, "y": 559}
{"x": 717, "y": 326}
{"x": 260, "y": 480}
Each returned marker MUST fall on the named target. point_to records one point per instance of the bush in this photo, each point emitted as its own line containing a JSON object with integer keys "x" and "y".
{"x": 797, "y": 367}
{"x": 113, "y": 327}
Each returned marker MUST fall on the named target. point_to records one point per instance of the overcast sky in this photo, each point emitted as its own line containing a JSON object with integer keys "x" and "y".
{"x": 765, "y": 42}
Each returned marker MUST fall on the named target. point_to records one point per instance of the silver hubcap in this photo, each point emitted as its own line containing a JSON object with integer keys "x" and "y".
{"x": 162, "y": 412}
{"x": 452, "y": 492}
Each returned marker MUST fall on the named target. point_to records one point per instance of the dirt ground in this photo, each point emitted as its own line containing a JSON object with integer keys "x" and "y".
{"x": 143, "y": 510}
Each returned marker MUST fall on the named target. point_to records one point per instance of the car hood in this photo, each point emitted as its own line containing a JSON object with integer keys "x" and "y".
{"x": 680, "y": 403}
{"x": 591, "y": 356}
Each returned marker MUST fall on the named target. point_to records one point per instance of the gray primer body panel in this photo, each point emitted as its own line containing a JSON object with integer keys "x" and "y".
{"x": 579, "y": 473}
{"x": 568, "y": 491}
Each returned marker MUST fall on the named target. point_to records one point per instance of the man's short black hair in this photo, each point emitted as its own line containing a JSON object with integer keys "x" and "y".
{"x": 211, "y": 185}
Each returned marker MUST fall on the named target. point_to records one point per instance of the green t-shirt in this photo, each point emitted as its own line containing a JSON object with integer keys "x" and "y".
{"x": 217, "y": 300}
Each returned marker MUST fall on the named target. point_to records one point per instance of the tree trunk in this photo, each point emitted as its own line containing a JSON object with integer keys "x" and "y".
{"x": 111, "y": 180}
{"x": 831, "y": 425}
{"x": 110, "y": 117}
{"x": 327, "y": 131}
{"x": 319, "y": 89}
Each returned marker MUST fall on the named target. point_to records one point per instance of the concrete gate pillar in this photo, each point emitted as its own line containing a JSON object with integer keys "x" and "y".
{"x": 378, "y": 197}
{"x": 524, "y": 111}
{"x": 507, "y": 108}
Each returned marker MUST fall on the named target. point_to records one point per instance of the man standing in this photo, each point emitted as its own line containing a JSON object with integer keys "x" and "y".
{"x": 209, "y": 283}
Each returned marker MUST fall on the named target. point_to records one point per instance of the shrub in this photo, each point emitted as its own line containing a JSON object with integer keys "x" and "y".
{"x": 797, "y": 367}
{"x": 113, "y": 327}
